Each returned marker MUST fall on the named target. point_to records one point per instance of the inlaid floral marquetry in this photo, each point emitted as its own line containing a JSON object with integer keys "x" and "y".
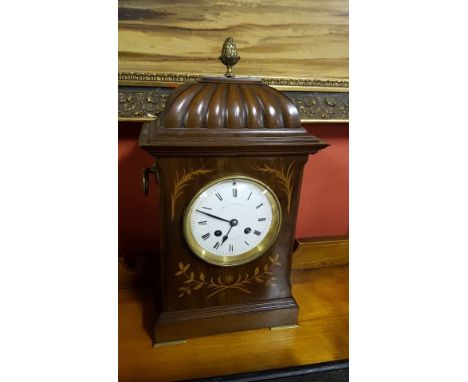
{"x": 180, "y": 182}
{"x": 240, "y": 282}
{"x": 284, "y": 176}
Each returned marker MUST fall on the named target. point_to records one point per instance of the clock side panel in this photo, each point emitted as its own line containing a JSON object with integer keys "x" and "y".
{"x": 188, "y": 282}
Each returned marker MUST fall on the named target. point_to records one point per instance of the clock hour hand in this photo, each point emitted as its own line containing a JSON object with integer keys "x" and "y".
{"x": 233, "y": 223}
{"x": 214, "y": 216}
{"x": 225, "y": 237}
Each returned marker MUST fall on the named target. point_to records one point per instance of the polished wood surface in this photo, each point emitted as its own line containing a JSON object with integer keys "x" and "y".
{"x": 322, "y": 295}
{"x": 229, "y": 103}
{"x": 321, "y": 252}
{"x": 179, "y": 179}
{"x": 191, "y": 153}
{"x": 227, "y": 142}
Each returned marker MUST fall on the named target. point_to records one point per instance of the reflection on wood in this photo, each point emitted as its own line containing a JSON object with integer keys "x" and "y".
{"x": 299, "y": 38}
{"x": 322, "y": 336}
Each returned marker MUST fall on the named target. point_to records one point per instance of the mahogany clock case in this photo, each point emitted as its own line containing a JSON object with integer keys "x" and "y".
{"x": 264, "y": 279}
{"x": 220, "y": 299}
{"x": 195, "y": 298}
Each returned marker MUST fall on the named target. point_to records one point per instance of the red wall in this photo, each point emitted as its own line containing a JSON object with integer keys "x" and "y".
{"x": 137, "y": 214}
{"x": 323, "y": 207}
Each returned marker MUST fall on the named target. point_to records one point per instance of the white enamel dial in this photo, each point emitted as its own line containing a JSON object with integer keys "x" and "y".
{"x": 232, "y": 221}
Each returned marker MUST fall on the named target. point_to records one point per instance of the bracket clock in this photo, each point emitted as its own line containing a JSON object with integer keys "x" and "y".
{"x": 229, "y": 154}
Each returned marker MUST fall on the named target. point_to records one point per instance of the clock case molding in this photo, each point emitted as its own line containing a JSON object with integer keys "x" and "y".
{"x": 192, "y": 297}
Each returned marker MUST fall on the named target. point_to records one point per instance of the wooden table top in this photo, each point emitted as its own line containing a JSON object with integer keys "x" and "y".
{"x": 322, "y": 335}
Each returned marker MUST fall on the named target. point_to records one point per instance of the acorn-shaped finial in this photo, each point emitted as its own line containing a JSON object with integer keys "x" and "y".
{"x": 229, "y": 56}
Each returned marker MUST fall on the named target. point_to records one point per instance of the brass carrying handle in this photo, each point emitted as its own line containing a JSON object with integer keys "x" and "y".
{"x": 145, "y": 178}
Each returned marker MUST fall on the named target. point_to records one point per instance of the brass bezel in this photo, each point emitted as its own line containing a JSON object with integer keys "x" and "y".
{"x": 245, "y": 257}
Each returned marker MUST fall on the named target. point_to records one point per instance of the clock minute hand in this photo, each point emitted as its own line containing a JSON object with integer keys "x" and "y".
{"x": 214, "y": 216}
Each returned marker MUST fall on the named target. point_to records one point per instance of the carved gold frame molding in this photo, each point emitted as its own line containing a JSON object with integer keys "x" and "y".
{"x": 280, "y": 83}
{"x": 142, "y": 95}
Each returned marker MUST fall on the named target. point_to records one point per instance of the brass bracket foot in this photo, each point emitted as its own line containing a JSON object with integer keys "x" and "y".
{"x": 161, "y": 344}
{"x": 292, "y": 326}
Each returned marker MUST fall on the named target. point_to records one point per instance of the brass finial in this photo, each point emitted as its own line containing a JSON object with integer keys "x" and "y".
{"x": 229, "y": 56}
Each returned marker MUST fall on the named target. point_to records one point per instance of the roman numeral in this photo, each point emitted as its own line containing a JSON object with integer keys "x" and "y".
{"x": 202, "y": 222}
{"x": 216, "y": 246}
{"x": 261, "y": 219}
{"x": 218, "y": 195}
{"x": 257, "y": 233}
{"x": 246, "y": 242}
{"x": 206, "y": 236}
{"x": 249, "y": 196}
{"x": 231, "y": 248}
{"x": 234, "y": 192}
{"x": 207, "y": 208}
{"x": 261, "y": 204}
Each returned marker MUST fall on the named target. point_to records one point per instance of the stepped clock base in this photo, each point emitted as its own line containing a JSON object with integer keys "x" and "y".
{"x": 180, "y": 325}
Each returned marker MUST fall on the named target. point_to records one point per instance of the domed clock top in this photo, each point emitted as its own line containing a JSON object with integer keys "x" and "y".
{"x": 229, "y": 102}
